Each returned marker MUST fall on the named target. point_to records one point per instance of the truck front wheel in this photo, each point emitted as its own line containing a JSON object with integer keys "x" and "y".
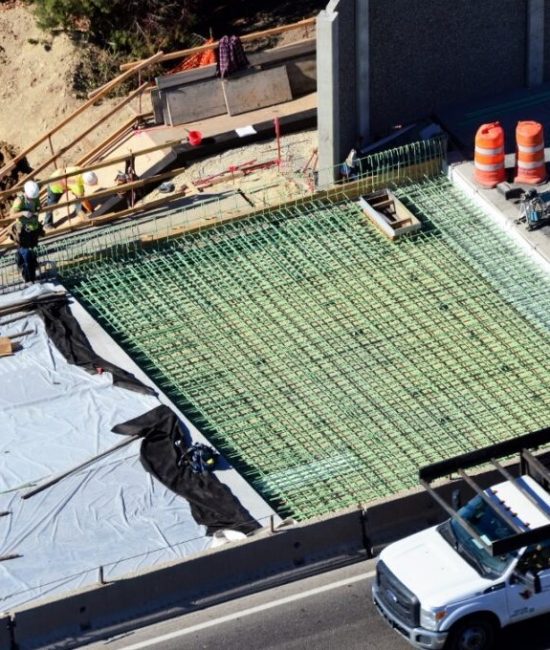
{"x": 474, "y": 633}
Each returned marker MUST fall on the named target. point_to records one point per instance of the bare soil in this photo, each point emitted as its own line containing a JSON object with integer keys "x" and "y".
{"x": 36, "y": 89}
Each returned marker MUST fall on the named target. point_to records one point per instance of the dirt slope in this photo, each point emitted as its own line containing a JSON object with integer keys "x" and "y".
{"x": 35, "y": 83}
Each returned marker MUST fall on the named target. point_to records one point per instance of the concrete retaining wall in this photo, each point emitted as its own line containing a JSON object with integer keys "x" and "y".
{"x": 427, "y": 54}
{"x": 381, "y": 63}
{"x": 546, "y": 67}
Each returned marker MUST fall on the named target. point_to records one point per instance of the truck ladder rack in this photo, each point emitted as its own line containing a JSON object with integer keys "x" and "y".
{"x": 490, "y": 454}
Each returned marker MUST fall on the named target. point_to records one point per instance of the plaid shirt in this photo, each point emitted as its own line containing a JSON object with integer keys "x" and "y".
{"x": 231, "y": 56}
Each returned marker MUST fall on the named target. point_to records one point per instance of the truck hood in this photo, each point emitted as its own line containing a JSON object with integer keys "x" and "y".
{"x": 427, "y": 565}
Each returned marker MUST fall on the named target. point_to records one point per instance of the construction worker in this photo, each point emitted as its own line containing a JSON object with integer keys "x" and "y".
{"x": 350, "y": 167}
{"x": 26, "y": 230}
{"x": 76, "y": 185}
{"x": 27, "y": 201}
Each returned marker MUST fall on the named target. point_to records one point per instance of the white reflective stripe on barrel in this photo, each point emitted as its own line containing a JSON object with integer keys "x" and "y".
{"x": 489, "y": 152}
{"x": 530, "y": 165}
{"x": 488, "y": 168}
{"x": 524, "y": 149}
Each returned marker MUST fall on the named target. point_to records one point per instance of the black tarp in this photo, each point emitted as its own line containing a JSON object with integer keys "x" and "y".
{"x": 212, "y": 503}
{"x": 68, "y": 337}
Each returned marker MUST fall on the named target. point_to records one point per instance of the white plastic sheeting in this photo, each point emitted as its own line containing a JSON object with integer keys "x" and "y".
{"x": 54, "y": 416}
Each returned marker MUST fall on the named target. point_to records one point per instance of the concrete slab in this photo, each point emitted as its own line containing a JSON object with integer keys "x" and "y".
{"x": 194, "y": 101}
{"x": 536, "y": 243}
{"x": 248, "y": 92}
{"x": 211, "y": 127}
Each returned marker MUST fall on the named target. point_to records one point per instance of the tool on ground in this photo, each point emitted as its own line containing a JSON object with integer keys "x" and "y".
{"x": 312, "y": 161}
{"x": 249, "y": 201}
{"x": 7, "y": 344}
{"x": 534, "y": 209}
{"x": 73, "y": 470}
{"x": 16, "y": 318}
{"x": 12, "y": 556}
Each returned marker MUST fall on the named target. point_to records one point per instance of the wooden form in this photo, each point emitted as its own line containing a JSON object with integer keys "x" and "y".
{"x": 99, "y": 221}
{"x": 350, "y": 190}
{"x": 388, "y": 214}
{"x": 112, "y": 138}
{"x": 246, "y": 38}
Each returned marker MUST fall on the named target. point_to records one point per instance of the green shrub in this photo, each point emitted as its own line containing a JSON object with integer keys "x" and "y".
{"x": 134, "y": 28}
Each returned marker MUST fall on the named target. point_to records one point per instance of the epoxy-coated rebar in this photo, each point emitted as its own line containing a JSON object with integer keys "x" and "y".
{"x": 327, "y": 362}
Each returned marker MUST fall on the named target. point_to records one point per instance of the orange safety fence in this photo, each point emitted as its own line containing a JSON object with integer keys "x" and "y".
{"x": 198, "y": 60}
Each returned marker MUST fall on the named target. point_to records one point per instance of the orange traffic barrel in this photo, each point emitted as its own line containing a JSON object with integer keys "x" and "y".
{"x": 489, "y": 155}
{"x": 530, "y": 153}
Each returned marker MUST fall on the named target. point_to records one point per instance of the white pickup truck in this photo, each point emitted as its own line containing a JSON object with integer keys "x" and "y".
{"x": 455, "y": 585}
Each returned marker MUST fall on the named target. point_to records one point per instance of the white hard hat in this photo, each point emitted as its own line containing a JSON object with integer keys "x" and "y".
{"x": 31, "y": 190}
{"x": 90, "y": 178}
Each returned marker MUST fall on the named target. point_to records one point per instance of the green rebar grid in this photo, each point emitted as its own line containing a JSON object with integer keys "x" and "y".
{"x": 326, "y": 362}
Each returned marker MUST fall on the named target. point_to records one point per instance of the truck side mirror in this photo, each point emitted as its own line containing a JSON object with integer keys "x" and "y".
{"x": 529, "y": 579}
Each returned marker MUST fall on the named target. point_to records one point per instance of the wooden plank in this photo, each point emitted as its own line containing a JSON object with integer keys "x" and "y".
{"x": 111, "y": 139}
{"x": 6, "y": 346}
{"x": 105, "y": 163}
{"x": 76, "y": 140}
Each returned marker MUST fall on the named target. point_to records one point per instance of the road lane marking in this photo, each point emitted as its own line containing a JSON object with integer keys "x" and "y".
{"x": 250, "y": 610}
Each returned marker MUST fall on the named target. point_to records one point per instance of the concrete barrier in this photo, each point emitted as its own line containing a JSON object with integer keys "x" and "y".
{"x": 263, "y": 560}
{"x": 5, "y": 631}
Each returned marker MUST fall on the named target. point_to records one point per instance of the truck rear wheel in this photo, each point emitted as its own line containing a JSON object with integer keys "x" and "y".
{"x": 475, "y": 633}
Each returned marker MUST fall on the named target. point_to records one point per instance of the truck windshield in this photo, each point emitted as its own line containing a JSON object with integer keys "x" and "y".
{"x": 489, "y": 526}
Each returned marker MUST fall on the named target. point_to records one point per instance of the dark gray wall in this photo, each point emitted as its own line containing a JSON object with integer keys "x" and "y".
{"x": 547, "y": 40}
{"x": 425, "y": 54}
{"x": 347, "y": 77}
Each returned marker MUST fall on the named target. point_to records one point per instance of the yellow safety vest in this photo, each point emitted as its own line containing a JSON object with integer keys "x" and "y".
{"x": 75, "y": 183}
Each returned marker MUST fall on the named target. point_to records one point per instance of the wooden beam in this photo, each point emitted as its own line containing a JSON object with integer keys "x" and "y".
{"x": 106, "y": 89}
{"x": 244, "y": 39}
{"x": 106, "y": 218}
{"x": 109, "y": 140}
{"x": 104, "y": 163}
{"x": 116, "y": 189}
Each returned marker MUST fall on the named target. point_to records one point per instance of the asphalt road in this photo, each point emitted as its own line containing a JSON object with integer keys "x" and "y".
{"x": 331, "y": 611}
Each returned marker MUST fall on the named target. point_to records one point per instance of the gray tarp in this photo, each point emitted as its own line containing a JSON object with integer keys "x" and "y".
{"x": 54, "y": 416}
